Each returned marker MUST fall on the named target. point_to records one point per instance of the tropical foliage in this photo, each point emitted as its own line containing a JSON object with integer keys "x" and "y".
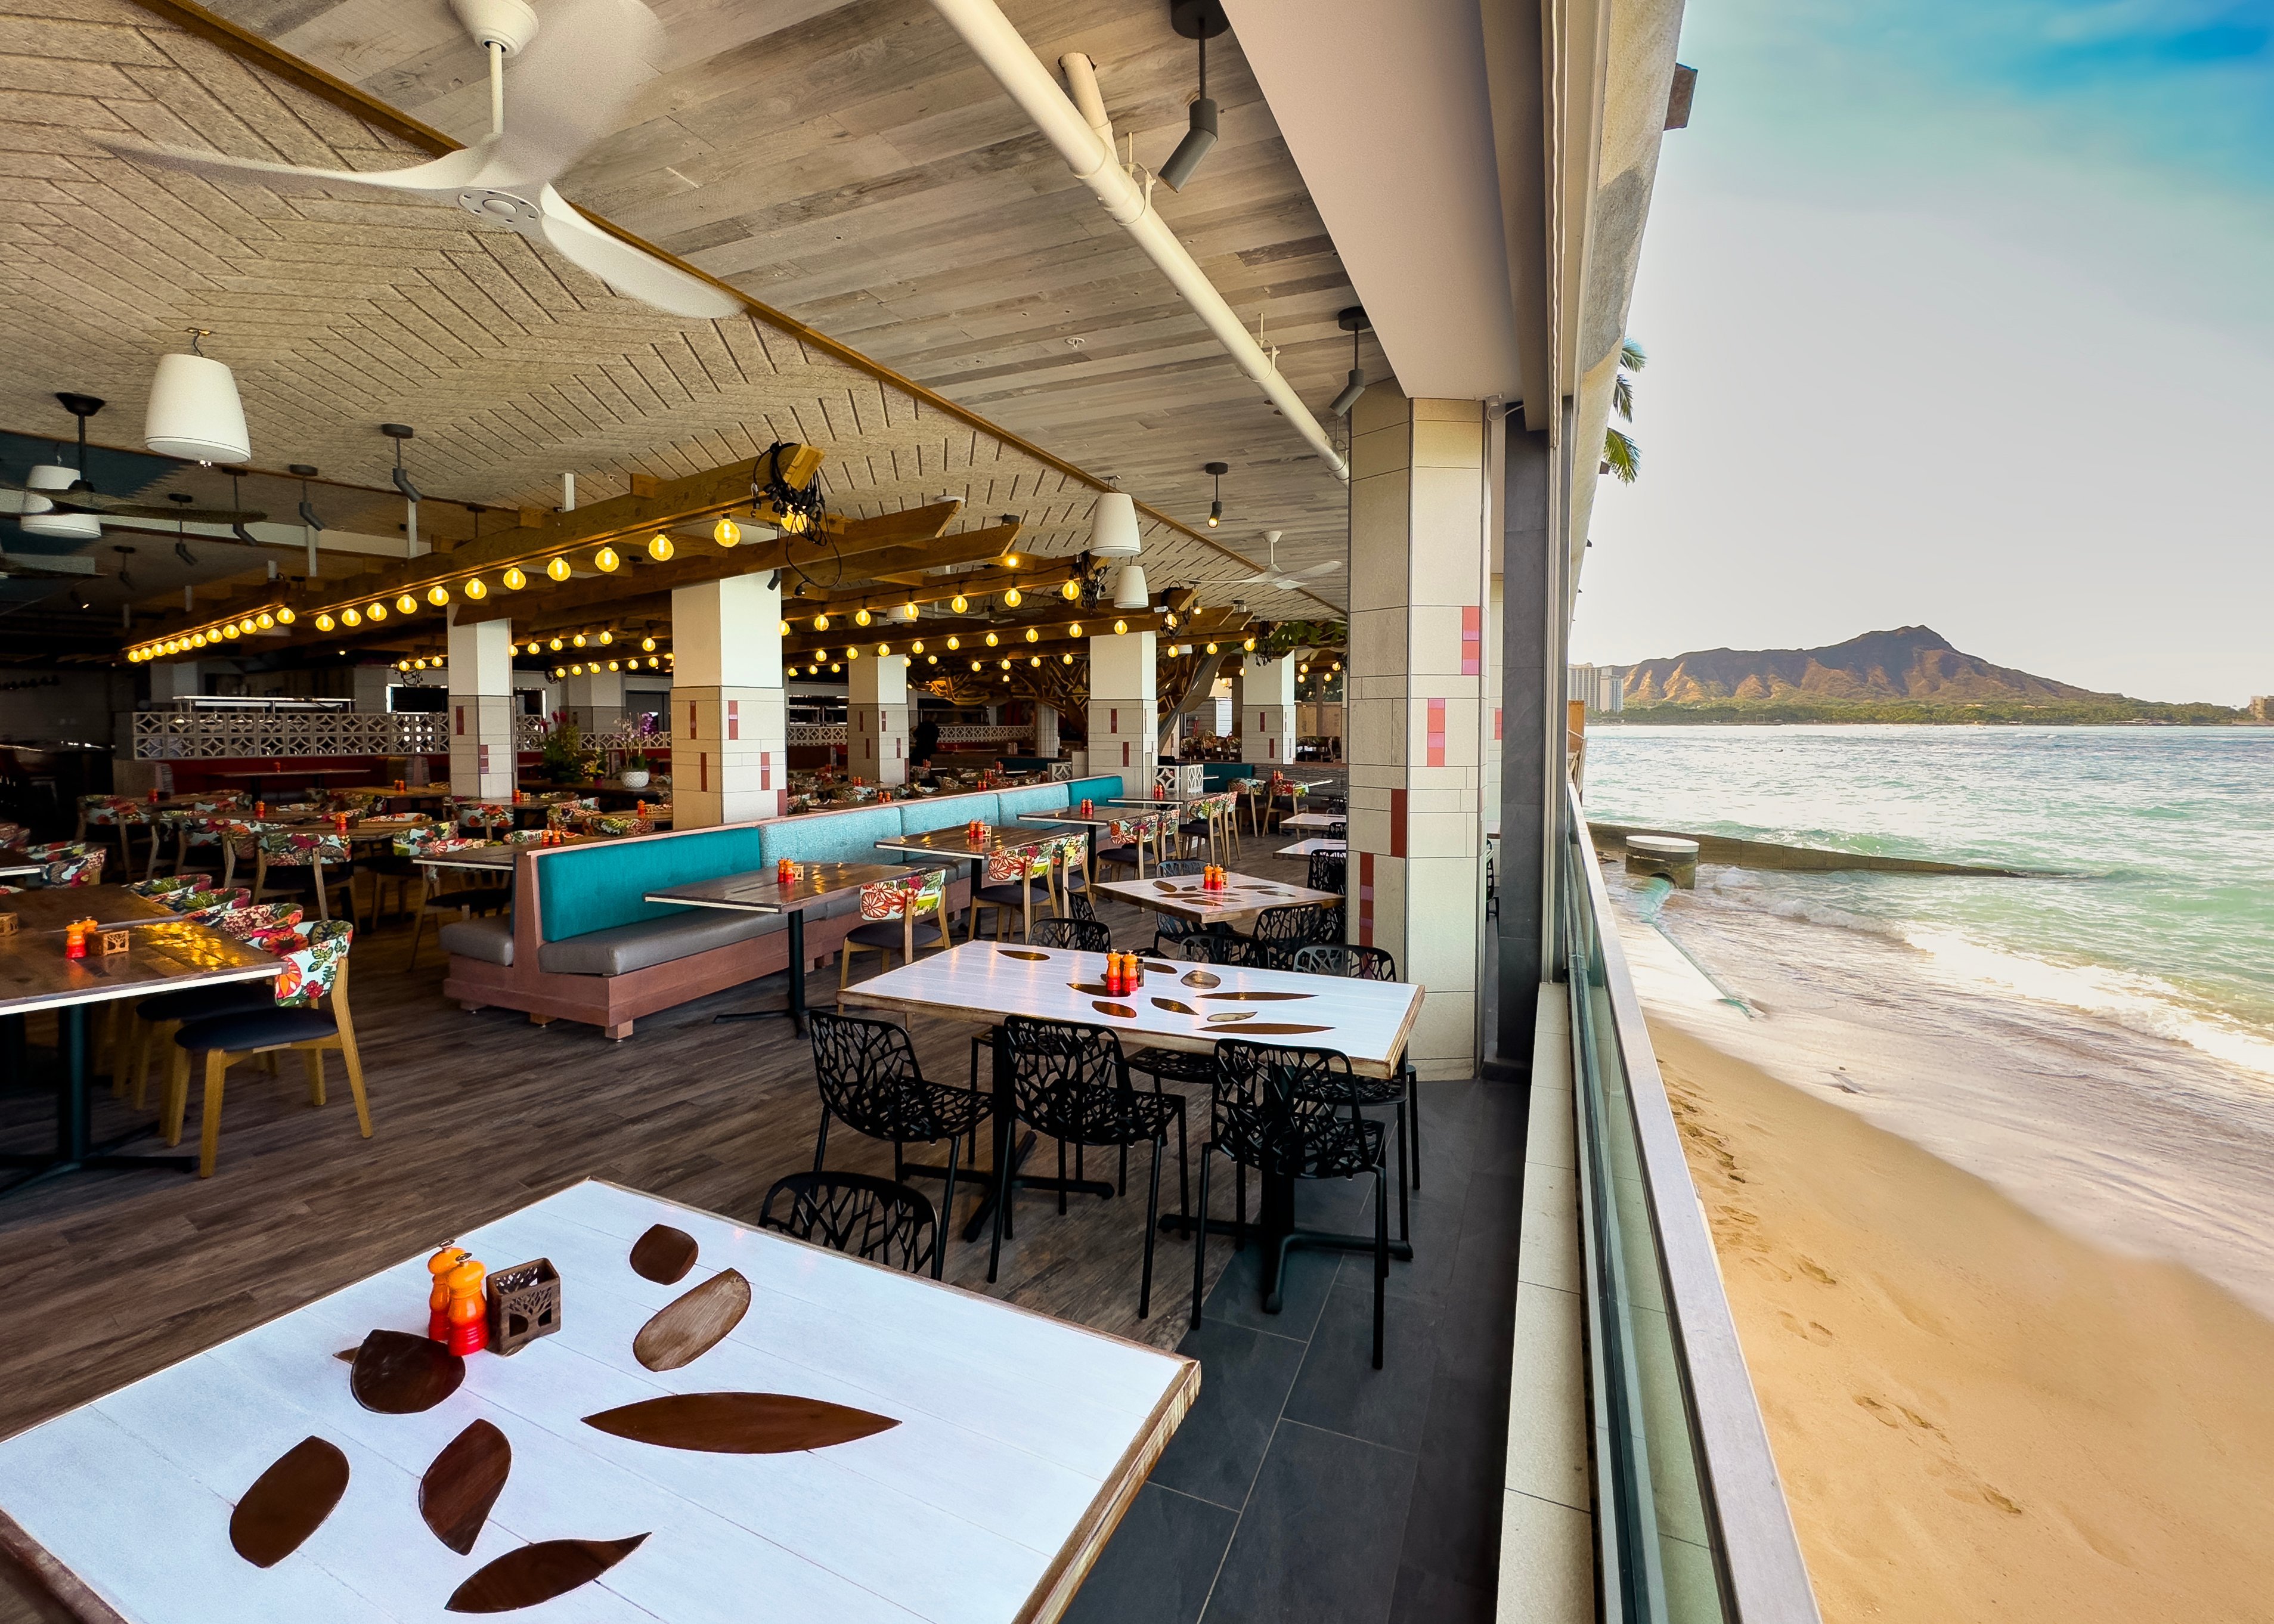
{"x": 1622, "y": 457}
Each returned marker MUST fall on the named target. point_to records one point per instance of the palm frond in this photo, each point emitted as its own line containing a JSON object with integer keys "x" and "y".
{"x": 1622, "y": 457}
{"x": 1632, "y": 356}
{"x": 1622, "y": 396}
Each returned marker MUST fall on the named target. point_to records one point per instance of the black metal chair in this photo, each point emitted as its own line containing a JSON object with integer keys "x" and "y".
{"x": 1280, "y": 931}
{"x": 869, "y": 1080}
{"x": 1375, "y": 964}
{"x": 1082, "y": 936}
{"x": 1070, "y": 1081}
{"x": 1078, "y": 905}
{"x": 1290, "y": 1113}
{"x": 860, "y": 1215}
{"x": 1206, "y": 947}
{"x": 1329, "y": 871}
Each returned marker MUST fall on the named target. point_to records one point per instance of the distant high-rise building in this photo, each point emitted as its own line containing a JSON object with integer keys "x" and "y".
{"x": 1601, "y": 689}
{"x": 2262, "y": 708}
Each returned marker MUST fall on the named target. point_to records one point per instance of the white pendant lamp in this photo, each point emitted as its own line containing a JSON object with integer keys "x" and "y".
{"x": 1114, "y": 526}
{"x": 194, "y": 410}
{"x": 40, "y": 517}
{"x": 1129, "y": 588}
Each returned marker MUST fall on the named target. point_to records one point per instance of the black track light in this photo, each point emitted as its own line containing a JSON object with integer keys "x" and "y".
{"x": 307, "y": 471}
{"x": 1217, "y": 471}
{"x": 1202, "y": 20}
{"x": 1354, "y": 321}
{"x": 398, "y": 432}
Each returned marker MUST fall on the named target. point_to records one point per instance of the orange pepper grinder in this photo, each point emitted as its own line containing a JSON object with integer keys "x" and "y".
{"x": 469, "y": 1318}
{"x": 437, "y": 1300}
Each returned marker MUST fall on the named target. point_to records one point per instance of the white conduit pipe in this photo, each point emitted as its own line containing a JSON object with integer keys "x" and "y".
{"x": 1019, "y": 71}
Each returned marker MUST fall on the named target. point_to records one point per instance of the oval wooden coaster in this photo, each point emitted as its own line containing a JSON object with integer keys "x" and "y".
{"x": 1204, "y": 977}
{"x": 663, "y": 1255}
{"x": 1173, "y": 1007}
{"x": 539, "y": 1573}
{"x": 399, "y": 1374}
{"x": 288, "y": 1502}
{"x": 690, "y": 1326}
{"x": 739, "y": 1423}
{"x": 1122, "y": 1009}
{"x": 455, "y": 1495}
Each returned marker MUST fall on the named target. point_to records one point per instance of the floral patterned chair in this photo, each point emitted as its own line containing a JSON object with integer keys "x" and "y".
{"x": 312, "y": 974}
{"x": 295, "y": 861}
{"x": 85, "y": 868}
{"x": 1014, "y": 882}
{"x": 272, "y": 928}
{"x": 121, "y": 814}
{"x": 1129, "y": 839}
{"x": 889, "y": 911}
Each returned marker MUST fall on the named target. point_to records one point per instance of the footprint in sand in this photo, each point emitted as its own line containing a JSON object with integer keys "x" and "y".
{"x": 1816, "y": 1272}
{"x": 1807, "y": 1329}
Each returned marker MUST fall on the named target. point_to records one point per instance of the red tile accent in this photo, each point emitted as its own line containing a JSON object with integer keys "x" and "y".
{"x": 1113, "y": 725}
{"x": 693, "y": 731}
{"x": 1437, "y": 740}
{"x": 703, "y": 769}
{"x": 1398, "y": 823}
{"x": 482, "y": 760}
{"x": 1472, "y": 640}
{"x": 733, "y": 718}
{"x": 766, "y": 769}
{"x": 1366, "y": 898}
{"x": 461, "y": 719}
{"x": 1125, "y": 752}
{"x": 1495, "y": 724}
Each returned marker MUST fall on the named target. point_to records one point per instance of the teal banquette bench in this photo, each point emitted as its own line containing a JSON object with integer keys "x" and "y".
{"x": 582, "y": 943}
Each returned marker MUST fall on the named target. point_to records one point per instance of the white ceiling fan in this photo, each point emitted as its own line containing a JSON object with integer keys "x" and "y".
{"x": 1286, "y": 580}
{"x": 570, "y": 87}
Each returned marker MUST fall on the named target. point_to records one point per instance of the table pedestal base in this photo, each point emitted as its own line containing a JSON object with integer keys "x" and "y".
{"x": 796, "y": 1013}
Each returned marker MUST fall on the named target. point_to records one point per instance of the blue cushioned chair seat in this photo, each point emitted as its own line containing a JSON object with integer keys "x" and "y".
{"x": 202, "y": 1003}
{"x": 581, "y": 889}
{"x": 257, "y": 1029}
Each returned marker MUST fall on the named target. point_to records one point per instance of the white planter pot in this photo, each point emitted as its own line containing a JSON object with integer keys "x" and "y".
{"x": 634, "y": 780}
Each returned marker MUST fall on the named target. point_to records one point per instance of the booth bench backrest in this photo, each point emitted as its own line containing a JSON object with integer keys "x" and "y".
{"x": 587, "y": 888}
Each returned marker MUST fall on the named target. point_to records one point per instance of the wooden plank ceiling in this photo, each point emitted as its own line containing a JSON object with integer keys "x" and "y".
{"x": 854, "y": 168}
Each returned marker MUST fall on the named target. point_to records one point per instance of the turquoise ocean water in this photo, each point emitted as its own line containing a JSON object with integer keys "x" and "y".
{"x": 2162, "y": 920}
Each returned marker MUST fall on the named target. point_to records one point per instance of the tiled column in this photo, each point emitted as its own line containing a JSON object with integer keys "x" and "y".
{"x": 1124, "y": 717}
{"x": 1416, "y": 683}
{"x": 1046, "y": 730}
{"x": 876, "y": 720}
{"x": 729, "y": 728}
{"x": 594, "y": 700}
{"x": 1266, "y": 710}
{"x": 481, "y": 708}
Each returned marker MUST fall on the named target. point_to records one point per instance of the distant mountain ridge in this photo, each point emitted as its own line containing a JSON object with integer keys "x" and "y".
{"x": 1911, "y": 664}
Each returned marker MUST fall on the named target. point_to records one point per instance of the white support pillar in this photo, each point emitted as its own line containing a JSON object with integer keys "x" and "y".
{"x": 594, "y": 700}
{"x": 729, "y": 726}
{"x": 1046, "y": 730}
{"x": 1267, "y": 709}
{"x": 482, "y": 758}
{"x": 877, "y": 719}
{"x": 176, "y": 680}
{"x": 1417, "y": 674}
{"x": 371, "y": 685}
{"x": 1123, "y": 714}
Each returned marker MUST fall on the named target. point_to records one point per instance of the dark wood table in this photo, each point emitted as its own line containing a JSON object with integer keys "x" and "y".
{"x": 955, "y": 844}
{"x": 760, "y": 892}
{"x": 165, "y": 954}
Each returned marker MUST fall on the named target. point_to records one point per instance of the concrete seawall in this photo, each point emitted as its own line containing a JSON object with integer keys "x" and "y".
{"x": 1736, "y": 854}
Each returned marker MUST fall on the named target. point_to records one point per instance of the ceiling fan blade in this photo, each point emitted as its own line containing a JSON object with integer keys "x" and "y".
{"x": 572, "y": 87}
{"x": 1327, "y": 568}
{"x": 442, "y": 178}
{"x": 632, "y": 272}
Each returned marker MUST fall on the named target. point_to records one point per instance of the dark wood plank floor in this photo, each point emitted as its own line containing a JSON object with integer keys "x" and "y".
{"x": 106, "y": 1277}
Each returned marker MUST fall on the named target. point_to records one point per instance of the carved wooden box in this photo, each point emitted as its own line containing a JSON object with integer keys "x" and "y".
{"x": 524, "y": 1303}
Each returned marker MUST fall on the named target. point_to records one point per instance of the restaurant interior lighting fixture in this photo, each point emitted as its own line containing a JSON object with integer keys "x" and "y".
{"x": 659, "y": 547}
{"x": 576, "y": 671}
{"x": 324, "y": 622}
{"x": 727, "y": 533}
{"x": 350, "y": 617}
{"x": 1071, "y": 591}
{"x": 513, "y": 578}
{"x": 1216, "y": 471}
{"x": 405, "y": 605}
{"x": 556, "y": 645}
{"x": 917, "y": 646}
{"x": 785, "y": 628}
{"x": 248, "y": 624}
{"x": 821, "y": 622}
{"x": 406, "y": 665}
{"x": 606, "y": 636}
{"x": 883, "y": 650}
{"x": 477, "y": 589}
{"x": 1119, "y": 626}
{"x": 1006, "y": 665}
{"x": 1352, "y": 321}
{"x": 1067, "y": 659}
{"x": 1075, "y": 630}
{"x": 975, "y": 665}
{"x": 578, "y": 640}
{"x": 374, "y": 611}
{"x": 1249, "y": 645}
{"x": 438, "y": 595}
{"x": 647, "y": 644}
{"x": 1211, "y": 647}
{"x": 264, "y": 620}
{"x": 1114, "y": 526}
{"x": 230, "y": 630}
{"x": 991, "y": 640}
{"x": 558, "y": 569}
{"x": 1129, "y": 591}
{"x": 1033, "y": 635}
{"x": 1012, "y": 599}
{"x": 606, "y": 559}
{"x": 931, "y": 659}
{"x": 1199, "y": 20}
{"x": 907, "y": 613}
{"x": 617, "y": 665}
{"x": 861, "y": 617}
{"x": 953, "y": 641}
{"x": 194, "y": 411}
{"x": 852, "y": 653}
{"x": 959, "y": 603}
{"x": 285, "y": 617}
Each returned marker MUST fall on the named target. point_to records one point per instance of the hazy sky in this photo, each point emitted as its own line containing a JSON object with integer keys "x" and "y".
{"x": 1959, "y": 312}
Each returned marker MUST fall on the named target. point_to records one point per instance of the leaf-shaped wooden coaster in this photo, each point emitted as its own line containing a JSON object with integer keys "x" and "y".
{"x": 399, "y": 1374}
{"x": 739, "y": 1423}
{"x": 460, "y": 1488}
{"x": 1173, "y": 1007}
{"x": 1013, "y": 953}
{"x": 1122, "y": 1009}
{"x": 1280, "y": 1030}
{"x": 692, "y": 1324}
{"x": 288, "y": 1502}
{"x": 1257, "y": 997}
{"x": 537, "y": 1573}
{"x": 1204, "y": 977}
{"x": 1224, "y": 1017}
{"x": 663, "y": 1255}
{"x": 1164, "y": 885}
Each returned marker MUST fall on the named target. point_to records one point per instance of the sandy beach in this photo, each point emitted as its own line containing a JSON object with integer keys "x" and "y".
{"x": 1977, "y": 1416}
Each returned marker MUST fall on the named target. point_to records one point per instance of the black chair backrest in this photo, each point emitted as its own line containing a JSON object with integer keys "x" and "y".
{"x": 860, "y": 1214}
{"x": 1367, "y": 963}
{"x": 1078, "y": 904}
{"x": 870, "y": 1079}
{"x": 1328, "y": 869}
{"x": 1085, "y": 935}
{"x": 1291, "y": 925}
{"x": 1209, "y": 947}
{"x": 1275, "y": 1107}
{"x": 1338, "y": 831}
{"x": 1174, "y": 867}
{"x": 1068, "y": 1080}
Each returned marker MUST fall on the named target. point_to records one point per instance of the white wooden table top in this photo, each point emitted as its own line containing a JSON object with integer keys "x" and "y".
{"x": 1304, "y": 849}
{"x": 1313, "y": 820}
{"x": 1021, "y": 1440}
{"x": 985, "y": 980}
{"x": 1243, "y": 897}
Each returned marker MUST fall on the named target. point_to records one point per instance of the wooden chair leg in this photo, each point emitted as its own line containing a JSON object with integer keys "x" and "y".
{"x": 209, "y": 1124}
{"x": 312, "y": 1061}
{"x": 178, "y": 1092}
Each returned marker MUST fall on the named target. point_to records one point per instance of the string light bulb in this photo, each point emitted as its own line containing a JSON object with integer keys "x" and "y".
{"x": 1067, "y": 659}
{"x": 285, "y": 617}
{"x": 1033, "y": 635}
{"x": 438, "y": 595}
{"x": 578, "y": 640}
{"x": 659, "y": 547}
{"x": 1071, "y": 591}
{"x": 1249, "y": 645}
{"x": 513, "y": 578}
{"x": 884, "y": 649}
{"x": 954, "y": 642}
{"x": 230, "y": 630}
{"x": 960, "y": 604}
{"x": 1211, "y": 647}
{"x": 1034, "y": 659}
{"x": 267, "y": 620}
{"x": 476, "y": 589}
{"x": 647, "y": 645}
{"x": 727, "y": 533}
{"x": 558, "y": 569}
{"x": 917, "y": 646}
{"x": 606, "y": 559}
{"x": 375, "y": 612}
{"x": 1012, "y": 599}
{"x": 246, "y": 625}
{"x": 606, "y": 636}
{"x": 349, "y": 617}
{"x": 1119, "y": 626}
{"x": 323, "y": 623}
{"x": 990, "y": 639}
{"x": 556, "y": 645}
{"x": 1075, "y": 630}
{"x": 821, "y": 622}
{"x": 861, "y": 617}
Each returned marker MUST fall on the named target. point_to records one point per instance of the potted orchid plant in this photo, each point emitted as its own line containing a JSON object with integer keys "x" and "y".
{"x": 635, "y": 773}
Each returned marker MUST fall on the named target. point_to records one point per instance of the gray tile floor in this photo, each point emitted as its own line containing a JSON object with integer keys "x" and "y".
{"x": 1306, "y": 1485}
